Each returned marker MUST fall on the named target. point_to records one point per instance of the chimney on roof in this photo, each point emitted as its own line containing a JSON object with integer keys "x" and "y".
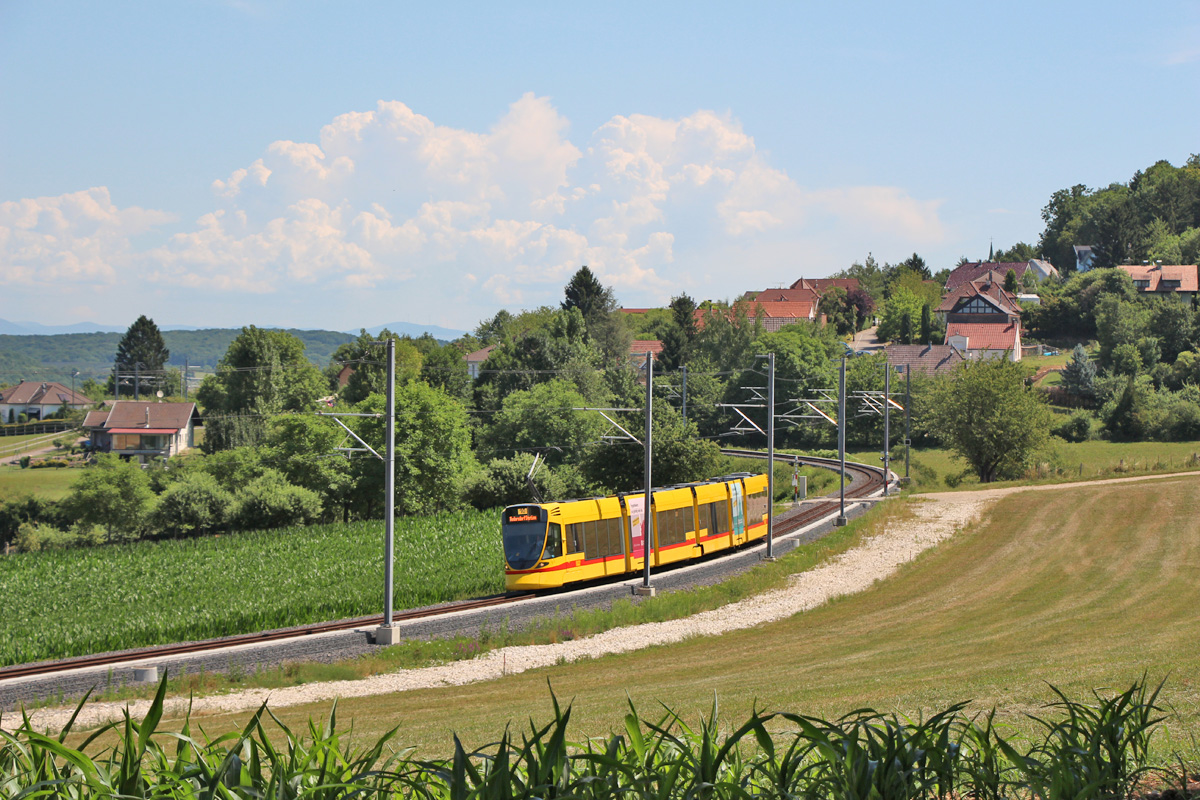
{"x": 147, "y": 416}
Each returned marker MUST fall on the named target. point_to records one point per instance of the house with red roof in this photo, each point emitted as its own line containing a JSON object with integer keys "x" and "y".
{"x": 39, "y": 399}
{"x": 982, "y": 319}
{"x": 141, "y": 430}
{"x": 822, "y": 285}
{"x": 1166, "y": 280}
{"x": 974, "y": 270}
{"x": 475, "y": 360}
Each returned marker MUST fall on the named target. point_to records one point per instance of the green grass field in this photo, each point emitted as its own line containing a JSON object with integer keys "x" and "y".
{"x": 51, "y": 484}
{"x": 65, "y": 603}
{"x": 1082, "y": 587}
{"x": 1078, "y": 461}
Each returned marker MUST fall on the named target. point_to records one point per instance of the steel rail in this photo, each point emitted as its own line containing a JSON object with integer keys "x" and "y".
{"x": 297, "y": 632}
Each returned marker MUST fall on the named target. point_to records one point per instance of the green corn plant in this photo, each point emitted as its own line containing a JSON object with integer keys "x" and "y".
{"x": 1097, "y": 750}
{"x": 710, "y": 766}
{"x": 985, "y": 772}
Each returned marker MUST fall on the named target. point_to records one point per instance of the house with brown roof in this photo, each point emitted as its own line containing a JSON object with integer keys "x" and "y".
{"x": 924, "y": 359}
{"x": 974, "y": 270}
{"x": 475, "y": 360}
{"x": 822, "y": 285}
{"x": 141, "y": 430}
{"x": 39, "y": 399}
{"x": 1165, "y": 280}
{"x": 982, "y": 319}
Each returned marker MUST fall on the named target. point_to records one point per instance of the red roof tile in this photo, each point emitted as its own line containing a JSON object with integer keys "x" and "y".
{"x": 822, "y": 285}
{"x": 643, "y": 346}
{"x": 927, "y": 359}
{"x": 134, "y": 414}
{"x": 974, "y": 270}
{"x": 785, "y": 309}
{"x": 46, "y": 393}
{"x": 986, "y": 335}
{"x": 1187, "y": 274}
{"x": 989, "y": 286}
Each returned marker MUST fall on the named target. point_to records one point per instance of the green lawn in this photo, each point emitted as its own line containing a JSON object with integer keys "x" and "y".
{"x": 51, "y": 484}
{"x": 14, "y": 445}
{"x": 1078, "y": 461}
{"x": 1082, "y": 587}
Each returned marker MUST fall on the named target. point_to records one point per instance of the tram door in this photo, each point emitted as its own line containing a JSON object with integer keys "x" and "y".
{"x": 738, "y": 509}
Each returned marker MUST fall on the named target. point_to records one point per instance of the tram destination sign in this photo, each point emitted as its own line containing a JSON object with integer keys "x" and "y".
{"x": 523, "y": 514}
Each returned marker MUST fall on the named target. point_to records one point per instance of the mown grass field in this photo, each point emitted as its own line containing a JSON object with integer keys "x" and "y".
{"x": 73, "y": 602}
{"x": 1079, "y": 461}
{"x": 50, "y": 484}
{"x": 1083, "y": 587}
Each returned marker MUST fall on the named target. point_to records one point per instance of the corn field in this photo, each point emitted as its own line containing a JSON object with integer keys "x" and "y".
{"x": 74, "y": 602}
{"x": 1086, "y": 750}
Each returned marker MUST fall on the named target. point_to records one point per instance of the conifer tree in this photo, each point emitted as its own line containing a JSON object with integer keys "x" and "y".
{"x": 141, "y": 351}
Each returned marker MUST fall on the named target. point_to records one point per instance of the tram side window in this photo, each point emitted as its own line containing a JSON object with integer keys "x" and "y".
{"x": 756, "y": 506}
{"x": 717, "y": 516}
{"x": 553, "y": 542}
{"x": 574, "y": 538}
{"x": 673, "y": 525}
{"x": 605, "y": 537}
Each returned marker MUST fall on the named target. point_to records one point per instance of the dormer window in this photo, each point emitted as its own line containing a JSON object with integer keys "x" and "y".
{"x": 1168, "y": 285}
{"x": 1141, "y": 285}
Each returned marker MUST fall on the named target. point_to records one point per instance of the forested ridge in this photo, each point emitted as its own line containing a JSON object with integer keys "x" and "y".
{"x": 52, "y": 357}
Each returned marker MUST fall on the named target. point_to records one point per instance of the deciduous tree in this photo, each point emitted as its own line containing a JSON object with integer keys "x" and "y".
{"x": 989, "y": 417}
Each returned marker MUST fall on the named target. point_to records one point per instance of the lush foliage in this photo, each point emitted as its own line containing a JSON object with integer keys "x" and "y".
{"x": 1156, "y": 215}
{"x": 1087, "y": 750}
{"x": 148, "y": 593}
{"x": 989, "y": 417}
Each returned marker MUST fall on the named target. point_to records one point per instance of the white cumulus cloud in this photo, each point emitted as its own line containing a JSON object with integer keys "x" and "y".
{"x": 429, "y": 216}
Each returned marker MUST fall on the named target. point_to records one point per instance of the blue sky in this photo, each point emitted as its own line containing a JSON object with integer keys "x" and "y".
{"x": 344, "y": 165}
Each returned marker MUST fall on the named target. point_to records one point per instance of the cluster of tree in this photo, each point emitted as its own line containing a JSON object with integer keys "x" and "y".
{"x": 905, "y": 294}
{"x": 1155, "y": 216}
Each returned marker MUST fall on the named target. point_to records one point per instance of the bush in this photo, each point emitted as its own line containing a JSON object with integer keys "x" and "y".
{"x": 501, "y": 482}
{"x": 49, "y": 463}
{"x": 25, "y": 462}
{"x": 32, "y": 537}
{"x": 194, "y": 505}
{"x": 271, "y": 502}
{"x": 114, "y": 494}
{"x": 1076, "y": 428}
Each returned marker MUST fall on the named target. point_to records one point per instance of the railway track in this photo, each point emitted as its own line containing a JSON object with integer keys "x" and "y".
{"x": 300, "y": 631}
{"x": 865, "y": 481}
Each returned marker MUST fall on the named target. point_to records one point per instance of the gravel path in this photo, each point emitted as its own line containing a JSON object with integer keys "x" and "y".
{"x": 936, "y": 517}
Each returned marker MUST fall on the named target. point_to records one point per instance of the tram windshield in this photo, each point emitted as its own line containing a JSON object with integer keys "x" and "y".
{"x": 524, "y": 529}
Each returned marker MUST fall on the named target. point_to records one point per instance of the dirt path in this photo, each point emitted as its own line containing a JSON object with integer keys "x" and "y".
{"x": 935, "y": 519}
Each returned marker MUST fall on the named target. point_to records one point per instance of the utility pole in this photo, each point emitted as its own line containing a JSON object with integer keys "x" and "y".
{"x": 74, "y": 374}
{"x": 887, "y": 407}
{"x": 841, "y": 519}
{"x": 683, "y": 369}
{"x": 136, "y": 379}
{"x": 387, "y": 632}
{"x": 907, "y": 419}
{"x": 646, "y": 590}
{"x": 183, "y": 383}
{"x": 770, "y": 456}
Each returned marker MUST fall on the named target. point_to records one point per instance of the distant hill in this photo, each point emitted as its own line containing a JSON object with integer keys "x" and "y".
{"x": 52, "y": 357}
{"x": 31, "y": 351}
{"x": 416, "y": 331}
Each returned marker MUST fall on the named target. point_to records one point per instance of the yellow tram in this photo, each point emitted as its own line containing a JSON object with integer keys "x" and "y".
{"x": 547, "y": 545}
